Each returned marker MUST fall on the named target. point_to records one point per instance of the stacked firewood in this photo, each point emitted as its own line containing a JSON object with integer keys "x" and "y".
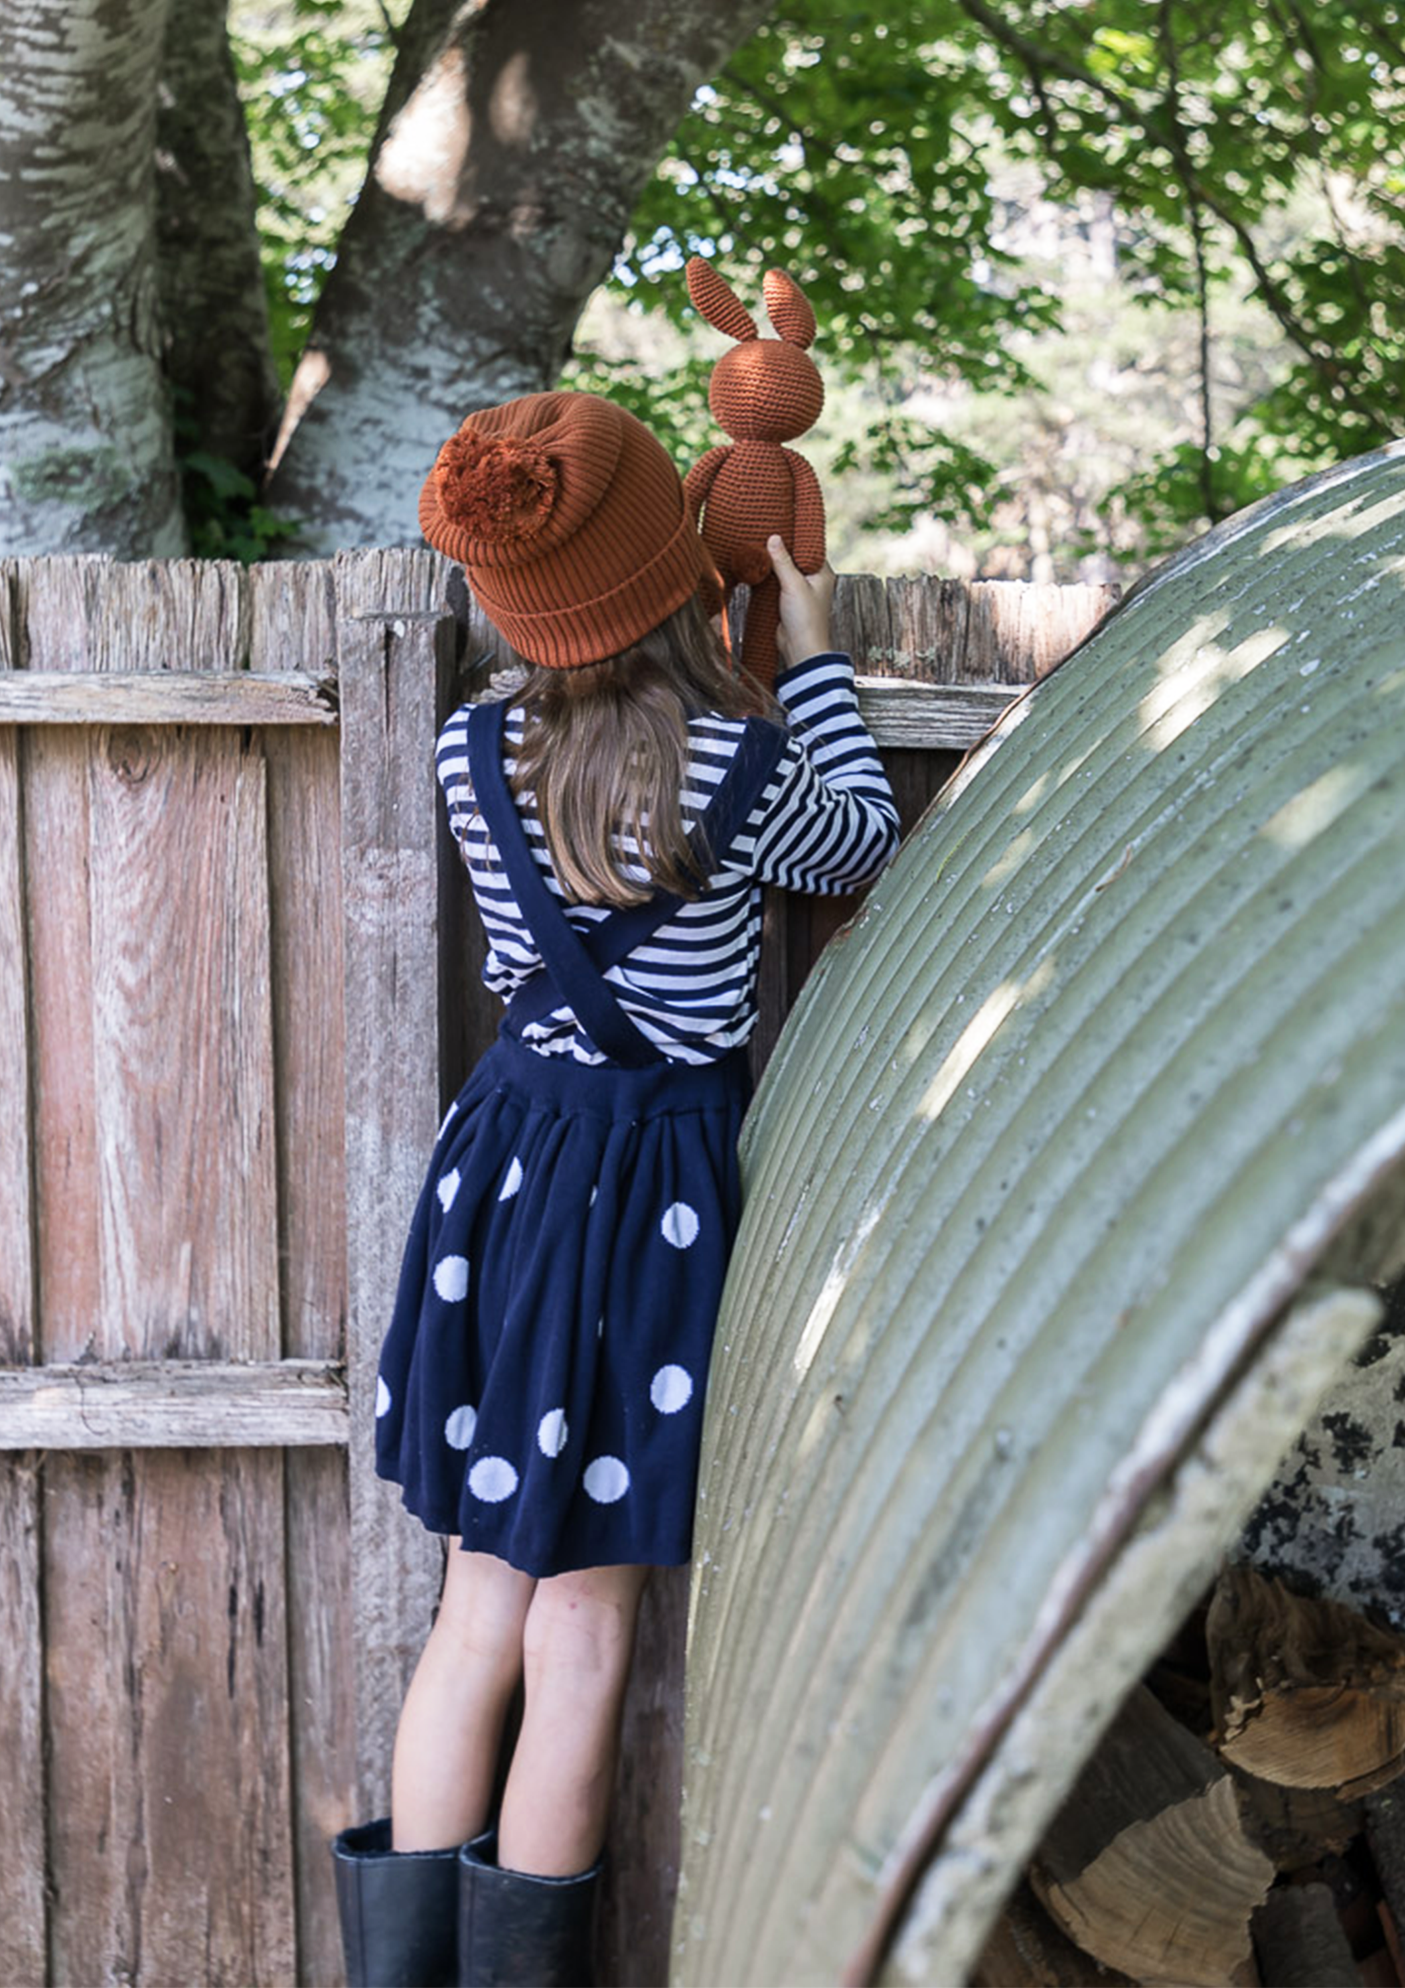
{"x": 1241, "y": 1825}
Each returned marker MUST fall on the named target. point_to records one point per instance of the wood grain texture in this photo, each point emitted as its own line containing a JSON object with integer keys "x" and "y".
{"x": 9, "y": 631}
{"x": 167, "y": 1699}
{"x": 641, "y": 1873}
{"x": 1305, "y": 1690}
{"x": 188, "y": 1241}
{"x": 291, "y": 607}
{"x": 396, "y": 676}
{"x": 933, "y": 717}
{"x": 292, "y": 621}
{"x": 170, "y": 1838}
{"x": 309, "y": 1038}
{"x": 170, "y": 696}
{"x": 56, "y": 850}
{"x": 322, "y": 1700}
{"x": 98, "y": 614}
{"x": 16, "y": 1207}
{"x": 23, "y": 1907}
{"x": 1027, "y": 1950}
{"x": 956, "y": 631}
{"x": 172, "y": 1404}
{"x": 23, "y": 1911}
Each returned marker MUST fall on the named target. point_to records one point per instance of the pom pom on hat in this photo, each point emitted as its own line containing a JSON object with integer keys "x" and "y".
{"x": 495, "y": 487}
{"x": 569, "y": 521}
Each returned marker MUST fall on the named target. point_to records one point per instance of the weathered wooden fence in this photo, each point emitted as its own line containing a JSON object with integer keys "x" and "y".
{"x": 237, "y": 986}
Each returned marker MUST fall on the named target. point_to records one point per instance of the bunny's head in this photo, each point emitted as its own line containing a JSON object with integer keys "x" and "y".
{"x": 765, "y": 389}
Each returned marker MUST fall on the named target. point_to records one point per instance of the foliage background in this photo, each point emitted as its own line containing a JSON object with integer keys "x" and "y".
{"x": 1089, "y": 276}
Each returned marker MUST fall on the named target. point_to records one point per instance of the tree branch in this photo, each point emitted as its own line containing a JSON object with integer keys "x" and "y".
{"x": 1319, "y": 351}
{"x": 1208, "y": 496}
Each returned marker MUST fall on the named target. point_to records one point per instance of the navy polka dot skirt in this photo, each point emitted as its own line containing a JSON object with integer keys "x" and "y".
{"x": 541, "y": 1385}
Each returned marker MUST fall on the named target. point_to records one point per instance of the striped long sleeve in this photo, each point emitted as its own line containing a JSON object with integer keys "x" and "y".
{"x": 825, "y": 823}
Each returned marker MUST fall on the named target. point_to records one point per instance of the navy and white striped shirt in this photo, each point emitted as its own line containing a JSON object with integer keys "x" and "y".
{"x": 825, "y": 823}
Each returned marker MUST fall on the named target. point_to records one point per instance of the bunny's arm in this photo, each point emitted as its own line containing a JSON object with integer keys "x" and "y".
{"x": 808, "y": 549}
{"x": 700, "y": 478}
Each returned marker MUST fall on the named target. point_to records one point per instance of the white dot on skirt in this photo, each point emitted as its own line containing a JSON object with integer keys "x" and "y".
{"x": 593, "y": 1192}
{"x": 451, "y": 1278}
{"x": 513, "y": 1181}
{"x": 492, "y": 1479}
{"x": 551, "y": 1432}
{"x": 671, "y": 1389}
{"x": 448, "y": 1119}
{"x": 606, "y": 1479}
{"x": 447, "y": 1189}
{"x": 458, "y": 1430}
{"x": 382, "y": 1396}
{"x": 680, "y": 1225}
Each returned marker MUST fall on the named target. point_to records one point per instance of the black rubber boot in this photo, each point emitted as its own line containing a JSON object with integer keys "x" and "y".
{"x": 399, "y": 1910}
{"x": 519, "y": 1931}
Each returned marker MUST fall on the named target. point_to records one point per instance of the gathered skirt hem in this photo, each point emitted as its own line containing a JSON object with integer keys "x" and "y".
{"x": 541, "y": 1385}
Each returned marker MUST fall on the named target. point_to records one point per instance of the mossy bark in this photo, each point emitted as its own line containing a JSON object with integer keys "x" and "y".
{"x": 500, "y": 191}
{"x": 86, "y": 460}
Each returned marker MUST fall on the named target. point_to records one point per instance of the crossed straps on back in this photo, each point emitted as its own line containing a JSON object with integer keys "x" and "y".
{"x": 574, "y": 963}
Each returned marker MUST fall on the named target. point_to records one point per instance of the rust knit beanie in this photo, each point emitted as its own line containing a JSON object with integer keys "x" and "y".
{"x": 569, "y": 520}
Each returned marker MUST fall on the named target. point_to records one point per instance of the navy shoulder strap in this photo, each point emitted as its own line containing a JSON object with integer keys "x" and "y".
{"x": 576, "y": 979}
{"x": 615, "y": 937}
{"x": 611, "y": 940}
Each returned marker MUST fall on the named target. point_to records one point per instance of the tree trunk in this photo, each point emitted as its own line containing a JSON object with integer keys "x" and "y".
{"x": 213, "y": 308}
{"x": 85, "y": 439}
{"x": 498, "y": 197}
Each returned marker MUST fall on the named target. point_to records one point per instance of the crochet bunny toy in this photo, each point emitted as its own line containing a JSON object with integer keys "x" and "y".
{"x": 764, "y": 392}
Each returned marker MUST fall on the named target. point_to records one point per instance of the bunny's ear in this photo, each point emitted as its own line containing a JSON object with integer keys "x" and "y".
{"x": 717, "y": 301}
{"x": 787, "y": 309}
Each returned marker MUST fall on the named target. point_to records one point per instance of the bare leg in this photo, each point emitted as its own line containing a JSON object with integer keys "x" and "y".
{"x": 578, "y": 1641}
{"x": 446, "y": 1747}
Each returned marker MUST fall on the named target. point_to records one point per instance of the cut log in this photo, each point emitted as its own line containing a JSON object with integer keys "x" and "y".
{"x": 1147, "y": 1866}
{"x": 1299, "y": 1940}
{"x": 1304, "y": 1692}
{"x": 1027, "y": 1950}
{"x": 1295, "y": 1827}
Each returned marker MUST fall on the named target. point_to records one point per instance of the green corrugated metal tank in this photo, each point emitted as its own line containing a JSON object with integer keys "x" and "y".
{"x": 1021, "y": 1315}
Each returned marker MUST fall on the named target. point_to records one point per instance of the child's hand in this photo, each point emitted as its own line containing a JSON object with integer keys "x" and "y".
{"x": 805, "y": 603}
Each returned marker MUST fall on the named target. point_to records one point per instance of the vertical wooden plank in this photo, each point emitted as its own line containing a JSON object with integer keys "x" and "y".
{"x": 929, "y": 619}
{"x": 292, "y": 616}
{"x": 167, "y": 1678}
{"x": 188, "y": 1240}
{"x": 96, "y": 613}
{"x": 56, "y": 846}
{"x": 1019, "y": 630}
{"x": 641, "y": 1874}
{"x": 291, "y": 622}
{"x": 169, "y": 1836}
{"x": 22, "y": 1844}
{"x": 22, "y": 1904}
{"x": 396, "y": 673}
{"x": 16, "y": 1233}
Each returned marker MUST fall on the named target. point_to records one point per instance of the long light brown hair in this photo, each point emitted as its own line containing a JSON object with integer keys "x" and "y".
{"x": 605, "y": 753}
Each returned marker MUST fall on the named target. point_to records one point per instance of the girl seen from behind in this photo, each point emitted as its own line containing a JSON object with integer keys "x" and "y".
{"x": 542, "y": 1380}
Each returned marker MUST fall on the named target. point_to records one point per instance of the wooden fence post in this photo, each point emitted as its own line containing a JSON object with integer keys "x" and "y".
{"x": 396, "y": 672}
